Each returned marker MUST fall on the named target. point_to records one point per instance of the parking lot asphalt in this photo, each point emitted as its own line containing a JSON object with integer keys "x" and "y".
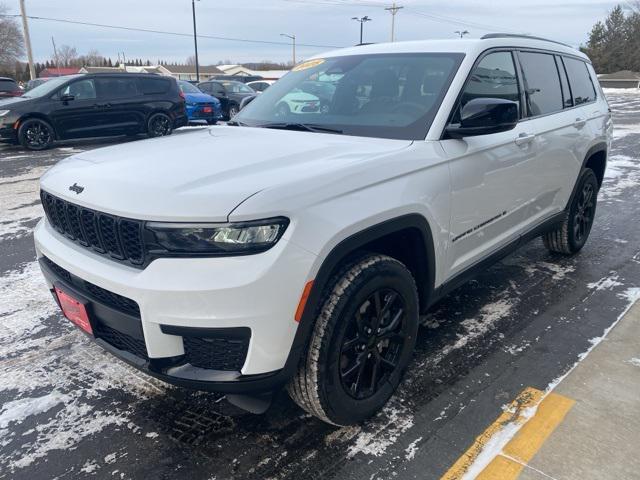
{"x": 70, "y": 410}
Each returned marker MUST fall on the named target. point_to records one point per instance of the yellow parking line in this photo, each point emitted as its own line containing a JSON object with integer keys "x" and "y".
{"x": 529, "y": 397}
{"x": 524, "y": 445}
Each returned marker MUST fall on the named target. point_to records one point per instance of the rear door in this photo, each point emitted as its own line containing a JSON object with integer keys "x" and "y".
{"x": 550, "y": 114}
{"x": 123, "y": 104}
{"x": 490, "y": 183}
{"x": 80, "y": 114}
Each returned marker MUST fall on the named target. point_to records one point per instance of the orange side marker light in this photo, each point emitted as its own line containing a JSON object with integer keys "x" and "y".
{"x": 303, "y": 300}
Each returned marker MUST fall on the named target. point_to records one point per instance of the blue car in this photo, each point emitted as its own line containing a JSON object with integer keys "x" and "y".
{"x": 200, "y": 106}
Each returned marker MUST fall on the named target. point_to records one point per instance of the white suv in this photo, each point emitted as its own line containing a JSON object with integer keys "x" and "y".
{"x": 298, "y": 250}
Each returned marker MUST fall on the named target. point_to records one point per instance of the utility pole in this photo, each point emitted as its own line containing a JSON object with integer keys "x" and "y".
{"x": 293, "y": 39}
{"x": 55, "y": 55}
{"x": 27, "y": 40}
{"x": 393, "y": 10}
{"x": 462, "y": 33}
{"x": 195, "y": 38}
{"x": 362, "y": 22}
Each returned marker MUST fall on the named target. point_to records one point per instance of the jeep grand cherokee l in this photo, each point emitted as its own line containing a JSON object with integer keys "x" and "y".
{"x": 302, "y": 252}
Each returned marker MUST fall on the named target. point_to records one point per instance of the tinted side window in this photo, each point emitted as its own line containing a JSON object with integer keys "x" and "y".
{"x": 567, "y": 100}
{"x": 205, "y": 87}
{"x": 543, "y": 94}
{"x": 154, "y": 86}
{"x": 81, "y": 90}
{"x": 494, "y": 77}
{"x": 116, "y": 87}
{"x": 581, "y": 84}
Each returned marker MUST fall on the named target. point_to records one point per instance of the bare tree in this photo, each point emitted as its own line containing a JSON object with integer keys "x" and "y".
{"x": 191, "y": 60}
{"x": 92, "y": 59}
{"x": 67, "y": 56}
{"x": 11, "y": 41}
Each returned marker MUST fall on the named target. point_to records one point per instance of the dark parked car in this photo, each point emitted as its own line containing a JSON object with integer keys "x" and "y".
{"x": 229, "y": 93}
{"x": 93, "y": 105}
{"x": 9, "y": 88}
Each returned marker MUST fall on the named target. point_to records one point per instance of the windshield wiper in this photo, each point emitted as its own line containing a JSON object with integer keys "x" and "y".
{"x": 235, "y": 123}
{"x": 305, "y": 127}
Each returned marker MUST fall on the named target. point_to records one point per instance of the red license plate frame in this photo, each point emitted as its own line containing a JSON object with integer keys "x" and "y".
{"x": 74, "y": 310}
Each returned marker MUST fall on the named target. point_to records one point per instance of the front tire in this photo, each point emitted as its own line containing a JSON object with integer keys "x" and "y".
{"x": 362, "y": 342}
{"x": 233, "y": 111}
{"x": 36, "y": 134}
{"x": 159, "y": 125}
{"x": 572, "y": 234}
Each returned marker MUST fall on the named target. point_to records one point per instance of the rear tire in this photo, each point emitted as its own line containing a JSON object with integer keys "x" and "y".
{"x": 362, "y": 342}
{"x": 233, "y": 111}
{"x": 159, "y": 125}
{"x": 36, "y": 134}
{"x": 572, "y": 234}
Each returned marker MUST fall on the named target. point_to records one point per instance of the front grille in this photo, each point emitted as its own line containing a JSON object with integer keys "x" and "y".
{"x": 121, "y": 341}
{"x": 119, "y": 238}
{"x": 216, "y": 353}
{"x": 110, "y": 299}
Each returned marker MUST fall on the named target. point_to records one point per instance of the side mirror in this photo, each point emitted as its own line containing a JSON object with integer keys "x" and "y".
{"x": 221, "y": 93}
{"x": 247, "y": 100}
{"x": 483, "y": 116}
{"x": 67, "y": 98}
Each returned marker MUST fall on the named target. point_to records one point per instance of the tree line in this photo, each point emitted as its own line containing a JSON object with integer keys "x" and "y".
{"x": 614, "y": 44}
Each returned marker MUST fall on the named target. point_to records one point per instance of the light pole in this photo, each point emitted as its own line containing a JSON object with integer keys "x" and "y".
{"x": 195, "y": 38}
{"x": 293, "y": 39}
{"x": 462, "y": 33}
{"x": 362, "y": 20}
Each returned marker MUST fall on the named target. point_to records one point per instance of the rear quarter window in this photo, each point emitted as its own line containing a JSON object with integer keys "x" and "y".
{"x": 580, "y": 80}
{"x": 154, "y": 86}
{"x": 543, "y": 92}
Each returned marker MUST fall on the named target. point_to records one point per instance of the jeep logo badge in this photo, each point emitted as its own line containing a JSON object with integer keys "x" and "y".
{"x": 76, "y": 188}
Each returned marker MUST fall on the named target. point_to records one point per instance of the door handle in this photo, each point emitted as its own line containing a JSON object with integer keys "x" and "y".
{"x": 524, "y": 139}
{"x": 101, "y": 105}
{"x": 579, "y": 123}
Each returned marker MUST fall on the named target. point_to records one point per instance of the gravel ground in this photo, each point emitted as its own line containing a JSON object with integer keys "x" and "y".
{"x": 67, "y": 409}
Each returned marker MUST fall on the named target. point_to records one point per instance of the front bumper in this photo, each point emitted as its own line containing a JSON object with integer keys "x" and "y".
{"x": 8, "y": 134}
{"x": 181, "y": 298}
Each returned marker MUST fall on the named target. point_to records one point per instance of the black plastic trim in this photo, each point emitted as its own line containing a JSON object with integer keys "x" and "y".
{"x": 231, "y": 333}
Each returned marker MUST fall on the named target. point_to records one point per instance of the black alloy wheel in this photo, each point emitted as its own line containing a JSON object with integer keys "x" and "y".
{"x": 36, "y": 134}
{"x": 372, "y": 343}
{"x": 584, "y": 213}
{"x": 159, "y": 125}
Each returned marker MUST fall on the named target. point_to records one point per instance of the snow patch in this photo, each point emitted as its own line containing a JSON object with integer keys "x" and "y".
{"x": 634, "y": 361}
{"x": 605, "y": 283}
{"x": 376, "y": 437}
{"x": 18, "y": 410}
{"x": 412, "y": 449}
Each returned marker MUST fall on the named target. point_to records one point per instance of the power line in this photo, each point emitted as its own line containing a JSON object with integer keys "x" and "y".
{"x": 164, "y": 32}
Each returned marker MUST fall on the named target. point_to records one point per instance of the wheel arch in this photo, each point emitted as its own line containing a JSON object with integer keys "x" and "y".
{"x": 390, "y": 237}
{"x": 39, "y": 116}
{"x": 596, "y": 159}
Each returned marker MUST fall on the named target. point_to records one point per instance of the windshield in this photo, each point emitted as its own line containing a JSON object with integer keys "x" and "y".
{"x": 237, "y": 87}
{"x": 381, "y": 95}
{"x": 186, "y": 87}
{"x": 48, "y": 87}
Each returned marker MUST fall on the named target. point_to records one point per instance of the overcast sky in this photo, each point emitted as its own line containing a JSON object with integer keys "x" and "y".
{"x": 319, "y": 22}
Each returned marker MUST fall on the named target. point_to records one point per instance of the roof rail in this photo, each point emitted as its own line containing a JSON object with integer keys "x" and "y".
{"x": 515, "y": 35}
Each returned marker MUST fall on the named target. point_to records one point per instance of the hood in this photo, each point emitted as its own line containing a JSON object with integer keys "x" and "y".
{"x": 7, "y": 102}
{"x": 203, "y": 174}
{"x": 200, "y": 98}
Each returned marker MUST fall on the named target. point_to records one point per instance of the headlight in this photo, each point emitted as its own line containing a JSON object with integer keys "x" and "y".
{"x": 4, "y": 112}
{"x": 191, "y": 104}
{"x": 217, "y": 239}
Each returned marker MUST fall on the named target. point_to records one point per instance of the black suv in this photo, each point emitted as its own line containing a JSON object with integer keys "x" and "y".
{"x": 94, "y": 105}
{"x": 229, "y": 93}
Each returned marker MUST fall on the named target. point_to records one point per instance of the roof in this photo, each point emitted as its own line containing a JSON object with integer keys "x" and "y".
{"x": 102, "y": 70}
{"x": 58, "y": 72}
{"x": 621, "y": 75}
{"x": 271, "y": 73}
{"x": 192, "y": 68}
{"x": 467, "y": 46}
